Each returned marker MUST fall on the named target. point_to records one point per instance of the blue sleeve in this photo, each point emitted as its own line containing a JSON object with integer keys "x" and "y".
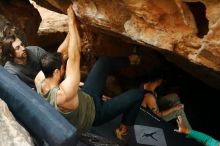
{"x": 203, "y": 138}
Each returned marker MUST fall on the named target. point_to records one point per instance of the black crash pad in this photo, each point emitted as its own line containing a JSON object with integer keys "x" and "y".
{"x": 149, "y": 130}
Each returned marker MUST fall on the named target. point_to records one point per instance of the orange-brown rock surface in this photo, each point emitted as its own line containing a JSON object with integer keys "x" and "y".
{"x": 168, "y": 26}
{"x": 22, "y": 15}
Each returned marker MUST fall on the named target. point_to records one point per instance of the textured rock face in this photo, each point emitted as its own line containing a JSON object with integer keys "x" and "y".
{"x": 61, "y": 6}
{"x": 147, "y": 22}
{"x": 167, "y": 26}
{"x": 12, "y": 133}
{"x": 52, "y": 29}
{"x": 22, "y": 15}
{"x": 52, "y": 22}
{"x": 159, "y": 23}
{"x": 209, "y": 53}
{"x": 3, "y": 23}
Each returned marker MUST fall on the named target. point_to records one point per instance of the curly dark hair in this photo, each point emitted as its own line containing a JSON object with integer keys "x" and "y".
{"x": 7, "y": 51}
{"x": 10, "y": 33}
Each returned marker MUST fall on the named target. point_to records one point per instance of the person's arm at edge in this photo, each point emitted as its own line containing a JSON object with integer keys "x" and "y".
{"x": 69, "y": 86}
{"x": 198, "y": 136}
{"x": 63, "y": 48}
{"x": 202, "y": 138}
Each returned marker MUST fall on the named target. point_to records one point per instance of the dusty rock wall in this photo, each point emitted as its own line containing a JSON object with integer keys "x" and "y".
{"x": 23, "y": 15}
{"x": 12, "y": 133}
{"x": 167, "y": 26}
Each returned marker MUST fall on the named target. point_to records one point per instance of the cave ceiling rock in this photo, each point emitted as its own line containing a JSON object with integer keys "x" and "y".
{"x": 168, "y": 26}
{"x": 22, "y": 15}
{"x": 162, "y": 24}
